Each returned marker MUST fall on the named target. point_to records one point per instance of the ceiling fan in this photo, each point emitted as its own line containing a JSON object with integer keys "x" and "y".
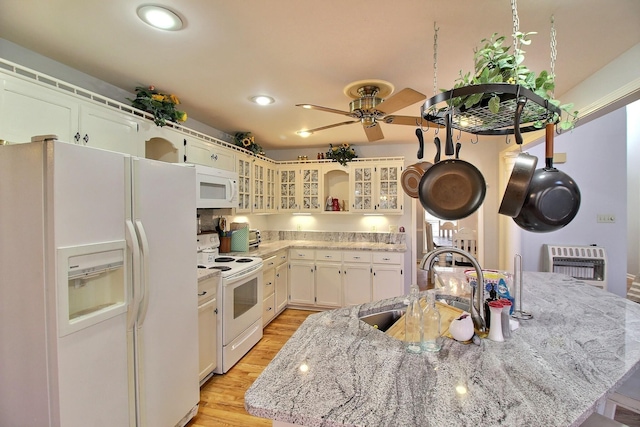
{"x": 370, "y": 106}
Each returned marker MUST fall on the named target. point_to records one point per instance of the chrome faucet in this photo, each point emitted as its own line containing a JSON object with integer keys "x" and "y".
{"x": 477, "y": 293}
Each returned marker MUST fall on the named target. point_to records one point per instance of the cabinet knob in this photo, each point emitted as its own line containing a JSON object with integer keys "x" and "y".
{"x": 202, "y": 294}
{"x": 214, "y": 156}
{"x": 77, "y": 136}
{"x": 86, "y": 138}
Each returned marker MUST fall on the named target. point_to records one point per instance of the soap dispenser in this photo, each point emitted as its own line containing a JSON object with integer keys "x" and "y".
{"x": 431, "y": 324}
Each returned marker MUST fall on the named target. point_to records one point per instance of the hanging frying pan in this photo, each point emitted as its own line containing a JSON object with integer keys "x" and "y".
{"x": 521, "y": 175}
{"x": 553, "y": 199}
{"x": 413, "y": 173}
{"x": 451, "y": 189}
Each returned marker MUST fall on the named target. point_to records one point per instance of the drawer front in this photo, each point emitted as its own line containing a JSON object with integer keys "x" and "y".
{"x": 268, "y": 282}
{"x": 268, "y": 309}
{"x": 207, "y": 289}
{"x": 307, "y": 254}
{"x": 387, "y": 258}
{"x": 269, "y": 263}
{"x": 328, "y": 255}
{"x": 356, "y": 257}
{"x": 282, "y": 257}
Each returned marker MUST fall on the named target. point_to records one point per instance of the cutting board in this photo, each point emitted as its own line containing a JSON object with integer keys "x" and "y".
{"x": 447, "y": 314}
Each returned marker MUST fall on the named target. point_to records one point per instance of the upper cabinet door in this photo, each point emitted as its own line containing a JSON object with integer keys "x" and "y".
{"x": 205, "y": 153}
{"x": 287, "y": 188}
{"x": 362, "y": 183}
{"x": 244, "y": 183}
{"x": 310, "y": 184}
{"x": 110, "y": 130}
{"x": 375, "y": 187}
{"x": 28, "y": 109}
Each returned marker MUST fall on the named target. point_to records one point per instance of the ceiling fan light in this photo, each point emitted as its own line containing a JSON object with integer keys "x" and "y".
{"x": 160, "y": 17}
{"x": 263, "y": 100}
{"x": 304, "y": 133}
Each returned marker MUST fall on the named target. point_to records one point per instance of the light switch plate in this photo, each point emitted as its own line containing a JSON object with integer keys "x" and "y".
{"x": 606, "y": 218}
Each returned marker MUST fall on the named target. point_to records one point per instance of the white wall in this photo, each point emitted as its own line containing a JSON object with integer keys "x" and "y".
{"x": 596, "y": 160}
{"x": 633, "y": 188}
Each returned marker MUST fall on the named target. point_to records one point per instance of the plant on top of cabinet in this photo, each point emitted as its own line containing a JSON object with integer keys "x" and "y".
{"x": 341, "y": 154}
{"x": 161, "y": 105}
{"x": 247, "y": 141}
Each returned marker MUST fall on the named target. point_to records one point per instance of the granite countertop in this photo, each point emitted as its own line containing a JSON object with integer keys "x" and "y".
{"x": 580, "y": 344}
{"x": 269, "y": 248}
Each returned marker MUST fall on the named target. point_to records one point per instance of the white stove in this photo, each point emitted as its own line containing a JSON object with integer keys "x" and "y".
{"x": 229, "y": 265}
{"x": 239, "y": 321}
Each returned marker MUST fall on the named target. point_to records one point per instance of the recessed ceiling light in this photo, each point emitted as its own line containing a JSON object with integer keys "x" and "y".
{"x": 160, "y": 17}
{"x": 263, "y": 100}
{"x": 304, "y": 133}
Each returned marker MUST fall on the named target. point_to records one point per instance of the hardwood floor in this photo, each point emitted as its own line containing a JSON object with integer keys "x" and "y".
{"x": 222, "y": 397}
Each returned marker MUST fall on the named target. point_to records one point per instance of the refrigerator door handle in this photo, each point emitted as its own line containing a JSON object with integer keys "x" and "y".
{"x": 132, "y": 242}
{"x": 144, "y": 246}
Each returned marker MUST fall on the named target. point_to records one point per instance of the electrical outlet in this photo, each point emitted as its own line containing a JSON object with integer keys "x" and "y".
{"x": 606, "y": 218}
{"x": 373, "y": 228}
{"x": 299, "y": 227}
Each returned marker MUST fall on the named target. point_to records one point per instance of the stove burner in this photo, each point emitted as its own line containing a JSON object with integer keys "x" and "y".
{"x": 221, "y": 267}
{"x": 224, "y": 259}
{"x": 244, "y": 260}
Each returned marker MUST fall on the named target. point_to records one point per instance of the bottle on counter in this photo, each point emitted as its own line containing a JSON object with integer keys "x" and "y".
{"x": 431, "y": 324}
{"x": 493, "y": 296}
{"x": 495, "y": 331}
{"x": 413, "y": 322}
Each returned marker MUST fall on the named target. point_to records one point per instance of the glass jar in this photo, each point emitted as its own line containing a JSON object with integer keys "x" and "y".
{"x": 431, "y": 329}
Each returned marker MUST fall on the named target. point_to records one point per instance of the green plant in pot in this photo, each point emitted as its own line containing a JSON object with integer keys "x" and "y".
{"x": 496, "y": 63}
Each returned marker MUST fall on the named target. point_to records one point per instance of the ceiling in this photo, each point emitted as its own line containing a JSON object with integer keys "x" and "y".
{"x": 302, "y": 51}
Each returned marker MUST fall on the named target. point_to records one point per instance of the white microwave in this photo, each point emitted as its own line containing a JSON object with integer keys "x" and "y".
{"x": 216, "y": 188}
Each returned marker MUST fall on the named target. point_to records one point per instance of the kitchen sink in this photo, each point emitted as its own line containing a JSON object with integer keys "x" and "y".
{"x": 383, "y": 320}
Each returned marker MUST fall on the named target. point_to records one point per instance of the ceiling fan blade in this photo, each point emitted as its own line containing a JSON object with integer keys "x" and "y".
{"x": 402, "y": 99}
{"x": 332, "y": 126}
{"x": 328, "y": 110}
{"x": 374, "y": 132}
{"x": 409, "y": 121}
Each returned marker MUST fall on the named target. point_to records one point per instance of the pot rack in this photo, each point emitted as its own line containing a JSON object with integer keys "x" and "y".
{"x": 479, "y": 120}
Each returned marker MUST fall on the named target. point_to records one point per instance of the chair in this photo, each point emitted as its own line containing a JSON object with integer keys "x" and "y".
{"x": 427, "y": 237}
{"x": 627, "y": 396}
{"x": 446, "y": 229}
{"x": 466, "y": 240}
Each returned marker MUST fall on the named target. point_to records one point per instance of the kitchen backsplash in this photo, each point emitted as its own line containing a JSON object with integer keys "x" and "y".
{"x": 333, "y": 236}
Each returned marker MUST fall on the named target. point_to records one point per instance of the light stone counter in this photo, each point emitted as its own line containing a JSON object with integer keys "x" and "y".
{"x": 580, "y": 344}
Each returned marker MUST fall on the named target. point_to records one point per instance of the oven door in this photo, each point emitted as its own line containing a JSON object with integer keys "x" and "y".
{"x": 242, "y": 299}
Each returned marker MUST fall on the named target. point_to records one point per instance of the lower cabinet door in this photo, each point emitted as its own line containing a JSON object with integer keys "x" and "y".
{"x": 329, "y": 284}
{"x": 268, "y": 309}
{"x": 387, "y": 282}
{"x": 301, "y": 281}
{"x": 207, "y": 335}
{"x": 357, "y": 284}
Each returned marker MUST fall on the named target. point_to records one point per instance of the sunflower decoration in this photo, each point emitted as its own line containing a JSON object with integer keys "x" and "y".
{"x": 161, "y": 105}
{"x": 341, "y": 153}
{"x": 247, "y": 141}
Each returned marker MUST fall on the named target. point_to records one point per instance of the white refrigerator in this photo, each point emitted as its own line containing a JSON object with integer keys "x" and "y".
{"x": 98, "y": 288}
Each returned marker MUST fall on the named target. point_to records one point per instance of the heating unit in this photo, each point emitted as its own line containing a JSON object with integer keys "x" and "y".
{"x": 586, "y": 263}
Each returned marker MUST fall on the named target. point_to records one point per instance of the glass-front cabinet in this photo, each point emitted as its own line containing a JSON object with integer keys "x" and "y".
{"x": 244, "y": 183}
{"x": 375, "y": 187}
{"x": 299, "y": 188}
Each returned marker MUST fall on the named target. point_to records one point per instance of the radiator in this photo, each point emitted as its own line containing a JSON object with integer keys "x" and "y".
{"x": 586, "y": 263}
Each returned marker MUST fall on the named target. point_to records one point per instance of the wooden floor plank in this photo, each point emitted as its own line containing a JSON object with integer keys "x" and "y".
{"x": 222, "y": 397}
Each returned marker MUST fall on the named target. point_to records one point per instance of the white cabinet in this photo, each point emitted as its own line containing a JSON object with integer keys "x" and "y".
{"x": 275, "y": 289}
{"x": 206, "y": 153}
{"x": 28, "y": 109}
{"x": 110, "y": 130}
{"x": 270, "y": 182}
{"x": 259, "y": 186}
{"x": 268, "y": 291}
{"x": 299, "y": 188}
{"x": 282, "y": 283}
{"x": 207, "y": 319}
{"x": 328, "y": 278}
{"x": 244, "y": 183}
{"x": 388, "y": 273}
{"x": 356, "y": 277}
{"x": 334, "y": 278}
{"x": 375, "y": 187}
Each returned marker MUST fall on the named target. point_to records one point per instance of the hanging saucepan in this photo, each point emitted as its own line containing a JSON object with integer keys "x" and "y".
{"x": 452, "y": 189}
{"x": 413, "y": 173}
{"x": 553, "y": 199}
{"x": 521, "y": 175}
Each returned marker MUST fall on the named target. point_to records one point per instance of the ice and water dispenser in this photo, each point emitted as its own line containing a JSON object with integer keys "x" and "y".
{"x": 92, "y": 282}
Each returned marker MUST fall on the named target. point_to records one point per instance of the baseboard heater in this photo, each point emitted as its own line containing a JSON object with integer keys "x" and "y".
{"x": 586, "y": 263}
